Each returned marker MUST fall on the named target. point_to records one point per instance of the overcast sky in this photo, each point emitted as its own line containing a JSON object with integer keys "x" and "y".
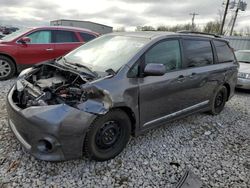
{"x": 116, "y": 13}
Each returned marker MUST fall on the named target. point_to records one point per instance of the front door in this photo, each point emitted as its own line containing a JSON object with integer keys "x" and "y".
{"x": 39, "y": 49}
{"x": 170, "y": 95}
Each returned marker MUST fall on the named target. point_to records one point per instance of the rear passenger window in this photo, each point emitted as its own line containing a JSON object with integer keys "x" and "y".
{"x": 87, "y": 37}
{"x": 64, "y": 37}
{"x": 166, "y": 53}
{"x": 197, "y": 53}
{"x": 224, "y": 53}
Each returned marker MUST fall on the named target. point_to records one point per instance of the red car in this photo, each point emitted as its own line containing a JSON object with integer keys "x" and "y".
{"x": 26, "y": 47}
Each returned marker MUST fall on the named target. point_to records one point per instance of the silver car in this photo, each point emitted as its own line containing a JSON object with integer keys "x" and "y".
{"x": 243, "y": 56}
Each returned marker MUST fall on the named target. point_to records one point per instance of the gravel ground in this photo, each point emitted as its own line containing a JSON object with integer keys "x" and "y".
{"x": 215, "y": 148}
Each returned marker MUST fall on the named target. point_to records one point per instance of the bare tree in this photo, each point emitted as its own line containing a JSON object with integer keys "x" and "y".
{"x": 148, "y": 28}
{"x": 247, "y": 31}
{"x": 212, "y": 27}
{"x": 179, "y": 27}
{"x": 163, "y": 28}
{"x": 138, "y": 28}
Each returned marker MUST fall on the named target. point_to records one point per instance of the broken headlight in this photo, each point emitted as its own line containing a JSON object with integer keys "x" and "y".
{"x": 24, "y": 72}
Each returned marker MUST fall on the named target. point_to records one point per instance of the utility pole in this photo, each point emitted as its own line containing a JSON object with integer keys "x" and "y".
{"x": 224, "y": 17}
{"x": 239, "y": 6}
{"x": 235, "y": 17}
{"x": 193, "y": 17}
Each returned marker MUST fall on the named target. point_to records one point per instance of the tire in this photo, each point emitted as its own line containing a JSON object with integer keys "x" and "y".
{"x": 107, "y": 136}
{"x": 219, "y": 100}
{"x": 7, "y": 68}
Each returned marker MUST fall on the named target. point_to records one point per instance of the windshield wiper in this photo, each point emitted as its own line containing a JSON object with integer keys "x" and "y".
{"x": 85, "y": 67}
{"x": 75, "y": 65}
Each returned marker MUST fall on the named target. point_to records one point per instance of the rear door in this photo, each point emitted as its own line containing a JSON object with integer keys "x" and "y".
{"x": 65, "y": 41}
{"x": 198, "y": 61}
{"x": 39, "y": 49}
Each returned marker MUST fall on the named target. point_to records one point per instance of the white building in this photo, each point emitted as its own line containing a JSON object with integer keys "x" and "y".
{"x": 99, "y": 28}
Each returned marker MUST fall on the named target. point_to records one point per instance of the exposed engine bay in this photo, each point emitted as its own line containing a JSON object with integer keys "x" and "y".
{"x": 50, "y": 85}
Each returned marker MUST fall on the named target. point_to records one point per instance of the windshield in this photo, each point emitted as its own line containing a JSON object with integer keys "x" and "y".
{"x": 106, "y": 52}
{"x": 243, "y": 56}
{"x": 15, "y": 34}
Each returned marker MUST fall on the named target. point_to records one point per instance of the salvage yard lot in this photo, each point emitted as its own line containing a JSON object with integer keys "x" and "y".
{"x": 215, "y": 148}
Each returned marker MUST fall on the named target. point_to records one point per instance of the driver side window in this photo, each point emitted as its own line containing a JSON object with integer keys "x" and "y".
{"x": 166, "y": 53}
{"x": 40, "y": 37}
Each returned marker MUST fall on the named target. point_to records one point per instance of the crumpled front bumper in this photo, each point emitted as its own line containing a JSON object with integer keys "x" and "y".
{"x": 64, "y": 127}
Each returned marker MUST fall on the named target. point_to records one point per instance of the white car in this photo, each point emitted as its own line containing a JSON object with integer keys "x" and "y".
{"x": 243, "y": 57}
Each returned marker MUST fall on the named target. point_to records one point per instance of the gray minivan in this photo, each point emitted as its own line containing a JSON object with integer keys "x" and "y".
{"x": 91, "y": 100}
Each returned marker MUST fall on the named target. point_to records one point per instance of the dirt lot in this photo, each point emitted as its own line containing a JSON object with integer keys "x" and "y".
{"x": 215, "y": 148}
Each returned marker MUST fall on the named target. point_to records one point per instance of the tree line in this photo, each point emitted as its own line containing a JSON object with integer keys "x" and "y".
{"x": 212, "y": 27}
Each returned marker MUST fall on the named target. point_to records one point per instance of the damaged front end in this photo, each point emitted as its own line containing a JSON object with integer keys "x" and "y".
{"x": 49, "y": 84}
{"x": 51, "y": 108}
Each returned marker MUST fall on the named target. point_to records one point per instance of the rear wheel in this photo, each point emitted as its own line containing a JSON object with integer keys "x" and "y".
{"x": 7, "y": 68}
{"x": 219, "y": 100}
{"x": 108, "y": 135}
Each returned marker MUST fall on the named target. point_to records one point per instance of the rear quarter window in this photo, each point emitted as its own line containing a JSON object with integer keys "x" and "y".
{"x": 224, "y": 52}
{"x": 197, "y": 53}
{"x": 87, "y": 37}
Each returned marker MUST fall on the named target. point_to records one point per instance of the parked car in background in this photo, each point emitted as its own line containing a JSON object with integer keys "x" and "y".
{"x": 13, "y": 29}
{"x": 243, "y": 56}
{"x": 91, "y": 100}
{"x": 6, "y": 31}
{"x": 26, "y": 47}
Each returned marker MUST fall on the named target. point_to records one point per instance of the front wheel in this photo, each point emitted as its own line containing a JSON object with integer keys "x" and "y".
{"x": 219, "y": 100}
{"x": 108, "y": 135}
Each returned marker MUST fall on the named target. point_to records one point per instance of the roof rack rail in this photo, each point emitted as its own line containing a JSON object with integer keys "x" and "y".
{"x": 197, "y": 32}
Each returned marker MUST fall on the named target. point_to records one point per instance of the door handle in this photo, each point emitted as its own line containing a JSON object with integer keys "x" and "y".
{"x": 192, "y": 75}
{"x": 49, "y": 49}
{"x": 181, "y": 78}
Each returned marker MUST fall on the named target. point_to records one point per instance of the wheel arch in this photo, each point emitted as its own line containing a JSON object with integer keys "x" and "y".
{"x": 131, "y": 116}
{"x": 228, "y": 90}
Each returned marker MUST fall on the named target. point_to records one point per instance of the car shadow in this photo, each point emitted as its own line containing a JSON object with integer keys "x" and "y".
{"x": 242, "y": 91}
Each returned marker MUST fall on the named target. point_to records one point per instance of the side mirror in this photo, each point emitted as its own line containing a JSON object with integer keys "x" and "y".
{"x": 25, "y": 40}
{"x": 152, "y": 69}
